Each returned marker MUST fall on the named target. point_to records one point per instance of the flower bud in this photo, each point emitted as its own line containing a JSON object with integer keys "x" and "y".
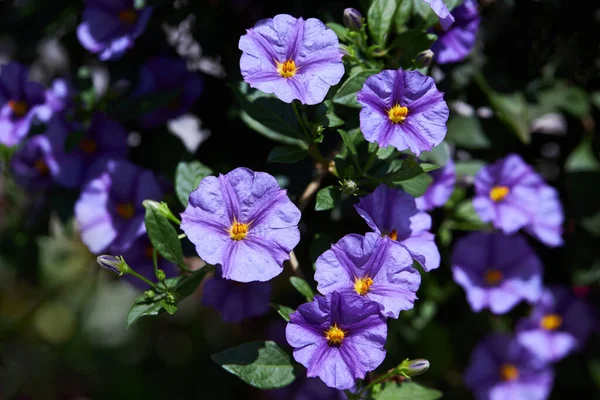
{"x": 353, "y": 20}
{"x": 424, "y": 58}
{"x": 347, "y": 50}
{"x": 349, "y": 186}
{"x": 113, "y": 264}
{"x": 414, "y": 367}
{"x": 160, "y": 275}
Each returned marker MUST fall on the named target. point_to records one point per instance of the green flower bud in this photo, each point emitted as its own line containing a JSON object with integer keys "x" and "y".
{"x": 113, "y": 264}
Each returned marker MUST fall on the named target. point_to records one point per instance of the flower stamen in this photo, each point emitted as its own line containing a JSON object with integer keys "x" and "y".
{"x": 551, "y": 322}
{"x": 238, "y": 230}
{"x": 493, "y": 277}
{"x": 128, "y": 16}
{"x": 18, "y": 107}
{"x": 508, "y": 372}
{"x": 398, "y": 113}
{"x": 335, "y": 335}
{"x": 125, "y": 210}
{"x": 88, "y": 146}
{"x": 41, "y": 167}
{"x": 362, "y": 285}
{"x": 498, "y": 193}
{"x": 287, "y": 69}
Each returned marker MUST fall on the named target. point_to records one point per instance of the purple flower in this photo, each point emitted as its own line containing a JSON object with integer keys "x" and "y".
{"x": 104, "y": 138}
{"x": 440, "y": 9}
{"x": 292, "y": 58}
{"x": 304, "y": 388}
{"x": 500, "y": 368}
{"x": 60, "y": 96}
{"x": 441, "y": 188}
{"x": 496, "y": 271}
{"x": 34, "y": 165}
{"x": 511, "y": 195}
{"x": 244, "y": 221}
{"x": 338, "y": 339}
{"x": 19, "y": 103}
{"x": 455, "y": 44}
{"x": 109, "y": 210}
{"x": 139, "y": 258}
{"x": 393, "y": 213}
{"x": 111, "y": 27}
{"x": 370, "y": 267}
{"x": 559, "y": 324}
{"x": 234, "y": 300}
{"x": 403, "y": 109}
{"x": 170, "y": 76}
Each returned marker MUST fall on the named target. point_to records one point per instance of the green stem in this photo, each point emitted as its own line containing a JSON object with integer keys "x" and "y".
{"x": 303, "y": 127}
{"x": 370, "y": 161}
{"x": 376, "y": 381}
{"x": 140, "y": 277}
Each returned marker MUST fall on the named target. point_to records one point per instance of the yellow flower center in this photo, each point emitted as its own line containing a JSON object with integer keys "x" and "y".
{"x": 334, "y": 335}
{"x": 551, "y": 322}
{"x": 287, "y": 69}
{"x": 88, "y": 146}
{"x": 41, "y": 166}
{"x": 362, "y": 285}
{"x": 128, "y": 16}
{"x": 498, "y": 193}
{"x": 508, "y": 372}
{"x": 393, "y": 234}
{"x": 493, "y": 277}
{"x": 125, "y": 210}
{"x": 238, "y": 231}
{"x": 397, "y": 113}
{"x": 18, "y": 107}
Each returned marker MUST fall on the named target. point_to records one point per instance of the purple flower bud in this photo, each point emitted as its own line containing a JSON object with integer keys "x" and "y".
{"x": 417, "y": 367}
{"x": 353, "y": 19}
{"x": 424, "y": 58}
{"x": 113, "y": 264}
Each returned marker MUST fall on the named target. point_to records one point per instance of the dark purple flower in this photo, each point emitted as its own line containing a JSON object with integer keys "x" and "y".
{"x": 60, "y": 96}
{"x": 502, "y": 369}
{"x": 244, "y": 221}
{"x": 547, "y": 223}
{"x": 139, "y": 258}
{"x": 403, "y": 109}
{"x": 338, "y": 339}
{"x": 304, "y": 388}
{"x": 292, "y": 58}
{"x": 110, "y": 28}
{"x": 440, "y": 190}
{"x": 457, "y": 42}
{"x": 34, "y": 165}
{"x": 19, "y": 103}
{"x": 236, "y": 301}
{"x": 559, "y": 324}
{"x": 169, "y": 76}
{"x": 109, "y": 210}
{"x": 370, "y": 267}
{"x": 104, "y": 138}
{"x": 496, "y": 270}
{"x": 393, "y": 213}
{"x": 440, "y": 9}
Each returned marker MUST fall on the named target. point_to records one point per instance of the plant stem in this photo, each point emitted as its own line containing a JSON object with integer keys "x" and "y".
{"x": 376, "y": 381}
{"x": 140, "y": 277}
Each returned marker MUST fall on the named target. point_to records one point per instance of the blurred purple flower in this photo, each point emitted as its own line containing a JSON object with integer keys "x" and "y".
{"x": 496, "y": 270}
{"x": 34, "y": 165}
{"x": 110, "y": 28}
{"x": 104, "y": 138}
{"x": 244, "y": 221}
{"x": 60, "y": 96}
{"x": 500, "y": 368}
{"x": 440, "y": 9}
{"x": 20, "y": 102}
{"x": 139, "y": 258}
{"x": 170, "y": 76}
{"x": 370, "y": 267}
{"x": 440, "y": 190}
{"x": 109, "y": 210}
{"x": 292, "y": 58}
{"x": 337, "y": 338}
{"x": 511, "y": 195}
{"x": 559, "y": 324}
{"x": 234, "y": 300}
{"x": 457, "y": 42}
{"x": 393, "y": 213}
{"x": 403, "y": 109}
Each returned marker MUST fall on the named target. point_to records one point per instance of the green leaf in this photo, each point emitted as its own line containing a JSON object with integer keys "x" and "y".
{"x": 468, "y": 168}
{"x": 582, "y": 158}
{"x": 168, "y": 307}
{"x": 572, "y": 99}
{"x": 260, "y": 364}
{"x": 403, "y": 13}
{"x": 416, "y": 186}
{"x": 268, "y": 115}
{"x": 340, "y": 30}
{"x": 302, "y": 287}
{"x": 346, "y": 94}
{"x": 327, "y": 197}
{"x": 411, "y": 43}
{"x": 408, "y": 391}
{"x": 283, "y": 310}
{"x": 379, "y": 18}
{"x": 408, "y": 170}
{"x": 186, "y": 285}
{"x": 326, "y": 115}
{"x": 466, "y": 212}
{"x": 467, "y": 132}
{"x": 348, "y": 142}
{"x": 187, "y": 178}
{"x": 286, "y": 154}
{"x": 142, "y": 306}
{"x": 163, "y": 236}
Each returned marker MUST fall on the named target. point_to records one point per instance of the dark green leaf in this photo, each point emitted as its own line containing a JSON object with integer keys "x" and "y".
{"x": 411, "y": 43}
{"x": 163, "y": 236}
{"x": 327, "y": 197}
{"x": 582, "y": 158}
{"x": 168, "y": 307}
{"x": 346, "y": 95}
{"x": 302, "y": 287}
{"x": 283, "y": 310}
{"x": 286, "y": 154}
{"x": 379, "y": 18}
{"x": 408, "y": 391}
{"x": 326, "y": 115}
{"x": 142, "y": 306}
{"x": 468, "y": 168}
{"x": 572, "y": 99}
{"x": 466, "y": 212}
{"x": 340, "y": 30}
{"x": 260, "y": 364}
{"x": 186, "y": 285}
{"x": 416, "y": 186}
{"x": 348, "y": 141}
{"x": 187, "y": 178}
{"x": 467, "y": 132}
{"x": 403, "y": 13}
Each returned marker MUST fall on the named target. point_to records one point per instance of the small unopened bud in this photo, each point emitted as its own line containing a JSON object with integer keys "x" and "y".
{"x": 162, "y": 208}
{"x": 353, "y": 19}
{"x": 113, "y": 264}
{"x": 347, "y": 50}
{"x": 150, "y": 294}
{"x": 160, "y": 275}
{"x": 415, "y": 367}
{"x": 424, "y": 58}
{"x": 349, "y": 186}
